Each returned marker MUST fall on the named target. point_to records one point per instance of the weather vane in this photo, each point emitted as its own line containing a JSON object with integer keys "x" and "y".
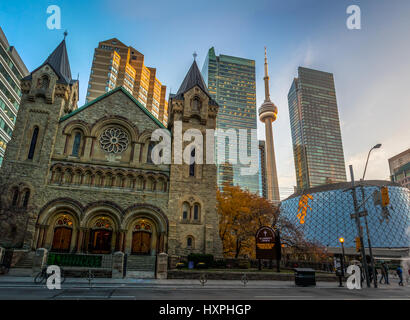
{"x": 195, "y": 55}
{"x": 65, "y": 34}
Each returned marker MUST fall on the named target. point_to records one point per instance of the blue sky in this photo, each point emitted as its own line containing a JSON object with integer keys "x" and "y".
{"x": 371, "y": 66}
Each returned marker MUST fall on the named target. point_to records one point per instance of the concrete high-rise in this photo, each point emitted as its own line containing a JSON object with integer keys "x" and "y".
{"x": 267, "y": 114}
{"x": 315, "y": 127}
{"x": 400, "y": 168}
{"x": 12, "y": 70}
{"x": 116, "y": 64}
{"x": 231, "y": 82}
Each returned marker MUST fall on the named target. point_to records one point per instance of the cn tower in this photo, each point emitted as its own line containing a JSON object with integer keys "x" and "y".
{"x": 267, "y": 114}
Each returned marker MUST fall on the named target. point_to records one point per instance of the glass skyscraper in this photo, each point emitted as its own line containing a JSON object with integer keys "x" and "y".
{"x": 231, "y": 82}
{"x": 315, "y": 127}
{"x": 12, "y": 69}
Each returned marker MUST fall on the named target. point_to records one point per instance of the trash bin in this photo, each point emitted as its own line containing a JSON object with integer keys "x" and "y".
{"x": 305, "y": 277}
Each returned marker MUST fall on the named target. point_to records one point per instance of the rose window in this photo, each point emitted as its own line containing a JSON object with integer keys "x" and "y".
{"x": 114, "y": 140}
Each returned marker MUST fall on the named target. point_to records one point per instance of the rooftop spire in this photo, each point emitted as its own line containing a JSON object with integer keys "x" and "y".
{"x": 193, "y": 78}
{"x": 58, "y": 60}
{"x": 266, "y": 79}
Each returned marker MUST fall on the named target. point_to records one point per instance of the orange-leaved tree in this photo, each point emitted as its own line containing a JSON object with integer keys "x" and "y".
{"x": 241, "y": 214}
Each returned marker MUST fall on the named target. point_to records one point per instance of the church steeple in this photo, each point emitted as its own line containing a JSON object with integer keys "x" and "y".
{"x": 52, "y": 79}
{"x": 193, "y": 78}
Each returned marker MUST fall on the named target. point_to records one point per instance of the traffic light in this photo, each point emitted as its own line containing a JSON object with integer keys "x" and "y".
{"x": 358, "y": 244}
{"x": 385, "y": 196}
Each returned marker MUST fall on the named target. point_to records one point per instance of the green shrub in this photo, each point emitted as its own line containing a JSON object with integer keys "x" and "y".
{"x": 199, "y": 257}
{"x": 201, "y": 265}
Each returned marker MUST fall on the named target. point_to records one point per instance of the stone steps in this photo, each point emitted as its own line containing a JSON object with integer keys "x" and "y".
{"x": 141, "y": 263}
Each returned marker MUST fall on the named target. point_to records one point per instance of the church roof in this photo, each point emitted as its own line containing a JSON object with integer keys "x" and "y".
{"x": 145, "y": 110}
{"x": 58, "y": 61}
{"x": 193, "y": 78}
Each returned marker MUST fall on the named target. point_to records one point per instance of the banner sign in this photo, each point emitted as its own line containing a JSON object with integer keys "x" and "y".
{"x": 267, "y": 244}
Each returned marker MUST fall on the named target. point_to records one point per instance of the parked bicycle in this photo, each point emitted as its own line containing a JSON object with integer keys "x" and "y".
{"x": 42, "y": 276}
{"x": 4, "y": 269}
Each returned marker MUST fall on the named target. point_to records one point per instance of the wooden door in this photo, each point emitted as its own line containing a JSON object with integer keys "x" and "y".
{"x": 62, "y": 239}
{"x": 141, "y": 242}
{"x": 101, "y": 241}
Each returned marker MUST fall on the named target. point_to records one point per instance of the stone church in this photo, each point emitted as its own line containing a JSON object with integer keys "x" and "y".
{"x": 82, "y": 181}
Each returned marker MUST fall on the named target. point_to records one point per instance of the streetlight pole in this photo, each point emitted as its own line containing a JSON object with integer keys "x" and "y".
{"x": 377, "y": 146}
{"x": 359, "y": 228}
{"x": 342, "y": 240}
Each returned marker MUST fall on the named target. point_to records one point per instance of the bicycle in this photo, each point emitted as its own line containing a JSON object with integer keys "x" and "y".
{"x": 4, "y": 269}
{"x": 43, "y": 275}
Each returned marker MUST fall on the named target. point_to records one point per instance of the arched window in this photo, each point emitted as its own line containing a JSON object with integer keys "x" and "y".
{"x": 15, "y": 197}
{"x": 196, "y": 212}
{"x": 26, "y": 198}
{"x": 196, "y": 105}
{"x": 76, "y": 144}
{"x": 45, "y": 82}
{"x": 33, "y": 143}
{"x": 150, "y": 147}
{"x": 190, "y": 242}
{"x": 192, "y": 164}
{"x": 185, "y": 211}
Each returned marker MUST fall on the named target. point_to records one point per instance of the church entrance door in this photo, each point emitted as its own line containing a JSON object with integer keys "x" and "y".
{"x": 101, "y": 241}
{"x": 62, "y": 239}
{"x": 141, "y": 242}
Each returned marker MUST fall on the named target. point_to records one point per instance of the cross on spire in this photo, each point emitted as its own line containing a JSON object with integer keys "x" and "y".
{"x": 195, "y": 55}
{"x": 65, "y": 34}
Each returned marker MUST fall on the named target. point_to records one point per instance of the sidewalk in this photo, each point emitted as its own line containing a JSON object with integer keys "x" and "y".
{"x": 180, "y": 283}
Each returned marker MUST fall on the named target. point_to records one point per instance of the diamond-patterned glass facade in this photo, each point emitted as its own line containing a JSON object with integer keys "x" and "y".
{"x": 328, "y": 215}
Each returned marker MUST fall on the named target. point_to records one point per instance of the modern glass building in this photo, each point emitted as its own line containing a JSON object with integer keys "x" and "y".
{"x": 262, "y": 170}
{"x": 12, "y": 69}
{"x": 315, "y": 128}
{"x": 323, "y": 215}
{"x": 231, "y": 82}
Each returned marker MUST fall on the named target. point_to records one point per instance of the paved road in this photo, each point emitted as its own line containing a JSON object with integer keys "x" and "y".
{"x": 132, "y": 289}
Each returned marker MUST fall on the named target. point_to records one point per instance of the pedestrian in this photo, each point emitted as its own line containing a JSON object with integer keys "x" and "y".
{"x": 383, "y": 272}
{"x": 399, "y": 272}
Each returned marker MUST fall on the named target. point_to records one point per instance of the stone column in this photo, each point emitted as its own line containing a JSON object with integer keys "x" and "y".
{"x": 87, "y": 148}
{"x": 136, "y": 154}
{"x": 117, "y": 265}
{"x": 124, "y": 240}
{"x": 43, "y": 236}
{"x": 162, "y": 266}
{"x": 80, "y": 240}
{"x": 120, "y": 241}
{"x": 2, "y": 252}
{"x": 39, "y": 236}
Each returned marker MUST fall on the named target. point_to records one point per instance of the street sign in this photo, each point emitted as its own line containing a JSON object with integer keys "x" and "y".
{"x": 377, "y": 198}
{"x": 385, "y": 196}
{"x": 358, "y": 244}
{"x": 361, "y": 214}
{"x": 265, "y": 239}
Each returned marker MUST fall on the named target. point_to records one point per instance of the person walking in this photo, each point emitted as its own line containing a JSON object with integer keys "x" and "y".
{"x": 399, "y": 272}
{"x": 385, "y": 268}
{"x": 383, "y": 273}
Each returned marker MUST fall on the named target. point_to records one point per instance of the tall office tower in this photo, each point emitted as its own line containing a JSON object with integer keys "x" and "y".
{"x": 316, "y": 137}
{"x": 262, "y": 170}
{"x": 268, "y": 114}
{"x": 400, "y": 168}
{"x": 12, "y": 70}
{"x": 116, "y": 64}
{"x": 231, "y": 82}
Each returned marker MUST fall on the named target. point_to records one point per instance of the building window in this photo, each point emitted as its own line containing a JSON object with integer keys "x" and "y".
{"x": 190, "y": 242}
{"x": 149, "y": 155}
{"x": 192, "y": 164}
{"x": 196, "y": 105}
{"x": 15, "y": 197}
{"x": 33, "y": 144}
{"x": 26, "y": 198}
{"x": 196, "y": 212}
{"x": 185, "y": 211}
{"x": 76, "y": 144}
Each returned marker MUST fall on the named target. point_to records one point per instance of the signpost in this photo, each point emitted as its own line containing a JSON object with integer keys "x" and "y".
{"x": 268, "y": 245}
